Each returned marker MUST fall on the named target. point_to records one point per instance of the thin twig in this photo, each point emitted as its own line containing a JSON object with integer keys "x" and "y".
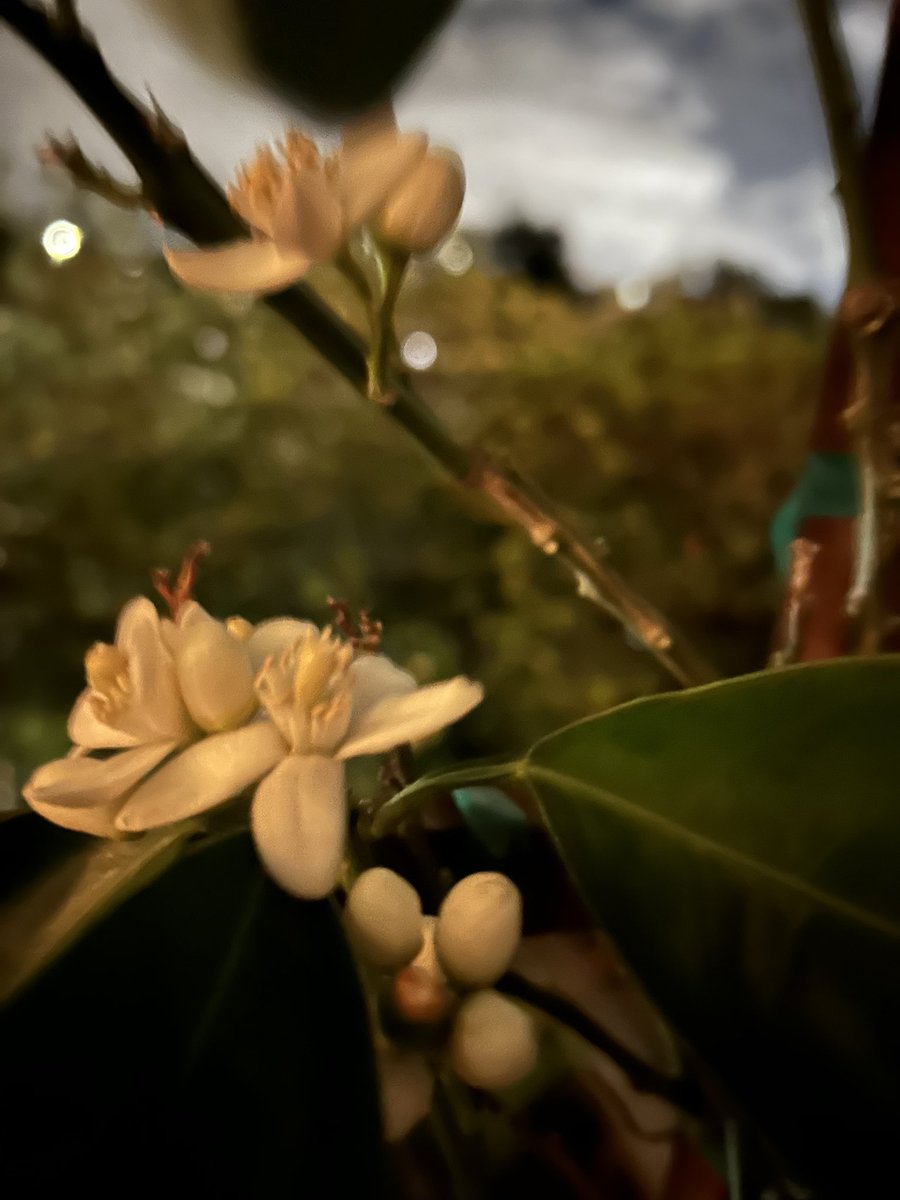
{"x": 186, "y": 198}
{"x": 71, "y": 158}
{"x": 870, "y": 314}
{"x": 678, "y": 1090}
{"x": 797, "y": 600}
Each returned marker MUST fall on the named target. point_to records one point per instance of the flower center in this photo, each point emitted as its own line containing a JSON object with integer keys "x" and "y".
{"x": 106, "y": 668}
{"x": 308, "y": 692}
{"x": 258, "y": 185}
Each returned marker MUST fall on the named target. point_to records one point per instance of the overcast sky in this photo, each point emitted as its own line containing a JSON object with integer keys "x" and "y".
{"x": 657, "y": 135}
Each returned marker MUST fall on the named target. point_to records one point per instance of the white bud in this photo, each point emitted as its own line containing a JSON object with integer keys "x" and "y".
{"x": 423, "y": 209}
{"x": 214, "y": 671}
{"x": 406, "y": 1084}
{"x": 383, "y": 917}
{"x": 479, "y": 927}
{"x": 494, "y": 1043}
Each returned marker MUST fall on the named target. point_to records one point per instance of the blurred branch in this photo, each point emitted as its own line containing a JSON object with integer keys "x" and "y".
{"x": 678, "y": 1090}
{"x": 869, "y": 314}
{"x": 176, "y": 187}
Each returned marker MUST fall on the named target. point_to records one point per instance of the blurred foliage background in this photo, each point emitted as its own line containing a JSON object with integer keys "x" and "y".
{"x": 136, "y": 417}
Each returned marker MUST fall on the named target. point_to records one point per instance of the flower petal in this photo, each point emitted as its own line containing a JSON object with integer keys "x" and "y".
{"x": 99, "y": 821}
{"x": 299, "y": 822}
{"x": 156, "y": 711}
{"x": 407, "y": 718}
{"x": 206, "y": 774}
{"x": 214, "y": 672}
{"x": 307, "y": 216}
{"x": 253, "y": 266}
{"x": 375, "y": 677}
{"x": 422, "y": 210}
{"x": 369, "y": 170}
{"x": 82, "y": 782}
{"x": 272, "y": 637}
{"x": 86, "y": 729}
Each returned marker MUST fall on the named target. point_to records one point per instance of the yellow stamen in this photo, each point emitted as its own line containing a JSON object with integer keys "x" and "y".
{"x": 106, "y": 668}
{"x": 239, "y": 628}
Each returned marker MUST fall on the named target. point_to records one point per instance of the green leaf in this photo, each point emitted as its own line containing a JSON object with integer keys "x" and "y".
{"x": 742, "y": 844}
{"x": 55, "y": 884}
{"x": 443, "y": 780}
{"x": 207, "y": 1038}
{"x": 333, "y": 59}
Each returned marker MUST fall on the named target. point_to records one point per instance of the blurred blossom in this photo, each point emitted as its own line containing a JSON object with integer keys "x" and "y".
{"x": 419, "y": 351}
{"x": 303, "y": 207}
{"x": 632, "y": 294}
{"x": 425, "y": 206}
{"x": 61, "y": 240}
{"x": 456, "y": 256}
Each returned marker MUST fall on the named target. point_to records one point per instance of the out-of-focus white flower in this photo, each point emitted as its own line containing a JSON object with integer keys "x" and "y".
{"x": 301, "y": 207}
{"x": 492, "y": 1041}
{"x": 425, "y": 205}
{"x": 325, "y": 704}
{"x": 160, "y": 687}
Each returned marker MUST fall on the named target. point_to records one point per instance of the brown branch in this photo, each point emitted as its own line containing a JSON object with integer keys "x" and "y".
{"x": 184, "y": 195}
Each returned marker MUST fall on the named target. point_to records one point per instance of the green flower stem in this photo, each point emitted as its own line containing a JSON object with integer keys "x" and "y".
{"x": 176, "y": 187}
{"x": 384, "y": 337}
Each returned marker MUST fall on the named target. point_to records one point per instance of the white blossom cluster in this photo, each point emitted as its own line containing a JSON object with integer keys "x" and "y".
{"x": 180, "y": 715}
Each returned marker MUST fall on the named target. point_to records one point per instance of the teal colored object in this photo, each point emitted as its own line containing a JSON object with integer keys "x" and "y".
{"x": 826, "y": 488}
{"x": 491, "y": 816}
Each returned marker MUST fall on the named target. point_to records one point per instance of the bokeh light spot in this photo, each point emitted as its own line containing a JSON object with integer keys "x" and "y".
{"x": 419, "y": 351}
{"x": 61, "y": 240}
{"x": 632, "y": 294}
{"x": 456, "y": 255}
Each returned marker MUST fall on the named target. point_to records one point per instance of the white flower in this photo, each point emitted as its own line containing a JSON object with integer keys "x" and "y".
{"x": 425, "y": 205}
{"x": 492, "y": 1042}
{"x": 325, "y": 704}
{"x": 157, "y": 689}
{"x": 301, "y": 207}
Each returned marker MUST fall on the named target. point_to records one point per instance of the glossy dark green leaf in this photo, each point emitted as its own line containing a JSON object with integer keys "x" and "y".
{"x": 208, "y": 1038}
{"x": 742, "y": 844}
{"x": 343, "y": 55}
{"x": 55, "y": 884}
{"x": 333, "y": 57}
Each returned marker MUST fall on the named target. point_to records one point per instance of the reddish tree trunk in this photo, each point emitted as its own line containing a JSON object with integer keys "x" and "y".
{"x": 825, "y": 631}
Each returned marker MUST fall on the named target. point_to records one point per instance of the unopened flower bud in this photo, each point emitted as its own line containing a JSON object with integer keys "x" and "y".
{"x": 479, "y": 927}
{"x": 494, "y": 1043}
{"x": 424, "y": 207}
{"x": 214, "y": 671}
{"x": 383, "y": 917}
{"x": 418, "y": 996}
